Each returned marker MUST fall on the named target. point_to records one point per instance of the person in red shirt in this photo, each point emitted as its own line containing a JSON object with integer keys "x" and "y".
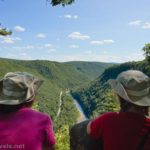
{"x": 128, "y": 129}
{"x": 22, "y": 127}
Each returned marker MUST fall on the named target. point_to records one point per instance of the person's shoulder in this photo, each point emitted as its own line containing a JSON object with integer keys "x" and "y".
{"x": 33, "y": 113}
{"x": 109, "y": 114}
{"x": 41, "y": 114}
{"x": 148, "y": 120}
{"x": 43, "y": 118}
{"x": 106, "y": 117}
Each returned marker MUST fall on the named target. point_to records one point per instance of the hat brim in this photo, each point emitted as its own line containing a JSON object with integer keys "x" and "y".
{"x": 119, "y": 89}
{"x": 6, "y": 100}
{"x": 23, "y": 88}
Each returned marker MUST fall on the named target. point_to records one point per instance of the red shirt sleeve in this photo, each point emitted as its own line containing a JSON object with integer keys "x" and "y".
{"x": 96, "y": 127}
{"x": 49, "y": 136}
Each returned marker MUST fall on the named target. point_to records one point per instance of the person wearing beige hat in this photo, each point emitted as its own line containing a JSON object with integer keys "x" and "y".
{"x": 128, "y": 129}
{"x": 20, "y": 126}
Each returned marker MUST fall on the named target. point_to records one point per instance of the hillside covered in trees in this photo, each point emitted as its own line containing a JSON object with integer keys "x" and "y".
{"x": 97, "y": 97}
{"x": 58, "y": 77}
{"x": 91, "y": 69}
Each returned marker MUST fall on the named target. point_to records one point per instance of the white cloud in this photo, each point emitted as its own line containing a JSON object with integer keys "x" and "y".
{"x": 99, "y": 57}
{"x": 108, "y": 41}
{"x": 140, "y": 23}
{"x": 146, "y": 25}
{"x": 10, "y": 40}
{"x": 102, "y": 42}
{"x": 16, "y": 47}
{"x": 90, "y": 55}
{"x": 1, "y": 37}
{"x": 135, "y": 23}
{"x": 17, "y": 39}
{"x": 88, "y": 52}
{"x": 48, "y": 45}
{"x": 25, "y": 56}
{"x": 74, "y": 46}
{"x": 69, "y": 16}
{"x": 19, "y": 28}
{"x": 105, "y": 52}
{"x": 13, "y": 56}
{"x": 39, "y": 47}
{"x": 75, "y": 17}
{"x": 78, "y": 36}
{"x": 41, "y": 35}
{"x": 51, "y": 50}
{"x": 84, "y": 56}
{"x": 29, "y": 47}
{"x": 97, "y": 42}
{"x": 21, "y": 56}
{"x": 20, "y": 48}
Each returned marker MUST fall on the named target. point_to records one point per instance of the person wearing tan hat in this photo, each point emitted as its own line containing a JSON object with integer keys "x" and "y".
{"x": 128, "y": 129}
{"x": 20, "y": 126}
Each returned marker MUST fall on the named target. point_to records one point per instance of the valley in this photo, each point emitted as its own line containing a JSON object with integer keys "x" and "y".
{"x": 72, "y": 91}
{"x": 57, "y": 78}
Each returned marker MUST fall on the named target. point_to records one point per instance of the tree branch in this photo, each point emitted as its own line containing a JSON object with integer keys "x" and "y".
{"x": 5, "y": 32}
{"x": 61, "y": 2}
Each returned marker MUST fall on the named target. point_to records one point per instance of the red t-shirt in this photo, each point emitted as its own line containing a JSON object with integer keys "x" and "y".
{"x": 26, "y": 129}
{"x": 121, "y": 131}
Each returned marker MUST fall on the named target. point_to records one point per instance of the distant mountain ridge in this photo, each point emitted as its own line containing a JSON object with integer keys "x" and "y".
{"x": 91, "y": 69}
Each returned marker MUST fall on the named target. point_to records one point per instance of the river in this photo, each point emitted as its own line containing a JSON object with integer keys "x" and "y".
{"x": 82, "y": 116}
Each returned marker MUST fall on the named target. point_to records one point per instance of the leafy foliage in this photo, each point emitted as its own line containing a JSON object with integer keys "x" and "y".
{"x": 68, "y": 113}
{"x": 62, "y": 138}
{"x": 62, "y": 2}
{"x": 91, "y": 69}
{"x": 146, "y": 50}
{"x": 4, "y": 32}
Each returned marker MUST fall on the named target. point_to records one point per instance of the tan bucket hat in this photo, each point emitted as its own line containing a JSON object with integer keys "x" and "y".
{"x": 18, "y": 87}
{"x": 133, "y": 86}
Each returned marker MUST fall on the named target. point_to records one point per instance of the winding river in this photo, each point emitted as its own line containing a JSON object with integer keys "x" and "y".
{"x": 82, "y": 116}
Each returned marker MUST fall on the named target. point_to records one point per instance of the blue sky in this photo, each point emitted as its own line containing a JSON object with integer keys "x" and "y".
{"x": 88, "y": 30}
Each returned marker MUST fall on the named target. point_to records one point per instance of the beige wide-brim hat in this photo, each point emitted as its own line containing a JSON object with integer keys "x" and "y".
{"x": 18, "y": 87}
{"x": 133, "y": 86}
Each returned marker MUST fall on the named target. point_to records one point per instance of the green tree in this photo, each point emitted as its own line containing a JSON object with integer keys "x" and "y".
{"x": 61, "y": 2}
{"x": 4, "y": 32}
{"x": 62, "y": 138}
{"x": 146, "y": 50}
